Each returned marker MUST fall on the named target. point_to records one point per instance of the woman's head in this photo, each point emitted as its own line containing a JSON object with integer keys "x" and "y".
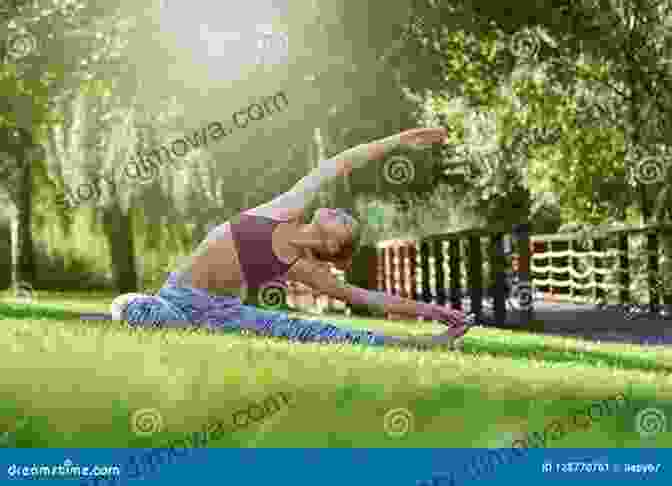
{"x": 341, "y": 234}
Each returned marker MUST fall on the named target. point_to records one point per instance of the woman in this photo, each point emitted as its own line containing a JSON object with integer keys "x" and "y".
{"x": 268, "y": 243}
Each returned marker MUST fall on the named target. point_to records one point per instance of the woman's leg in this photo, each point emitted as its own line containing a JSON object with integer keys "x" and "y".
{"x": 185, "y": 307}
{"x": 279, "y": 324}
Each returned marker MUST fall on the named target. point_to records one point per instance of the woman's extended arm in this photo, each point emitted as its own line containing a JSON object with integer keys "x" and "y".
{"x": 292, "y": 203}
{"x": 322, "y": 280}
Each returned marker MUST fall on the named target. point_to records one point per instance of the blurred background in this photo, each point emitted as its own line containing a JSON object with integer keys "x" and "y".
{"x": 535, "y": 110}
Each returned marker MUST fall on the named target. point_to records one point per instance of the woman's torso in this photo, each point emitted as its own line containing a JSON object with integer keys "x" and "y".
{"x": 215, "y": 266}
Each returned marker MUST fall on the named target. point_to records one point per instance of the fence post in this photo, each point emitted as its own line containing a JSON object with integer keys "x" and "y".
{"x": 380, "y": 269}
{"x": 395, "y": 269}
{"x": 413, "y": 271}
{"x": 403, "y": 292}
{"x": 525, "y": 298}
{"x": 652, "y": 250}
{"x": 570, "y": 248}
{"x": 550, "y": 271}
{"x": 598, "y": 291}
{"x": 424, "y": 265}
{"x": 666, "y": 270}
{"x": 624, "y": 265}
{"x": 439, "y": 273}
{"x": 498, "y": 270}
{"x": 475, "y": 275}
{"x": 540, "y": 249}
{"x": 389, "y": 273}
{"x": 455, "y": 280}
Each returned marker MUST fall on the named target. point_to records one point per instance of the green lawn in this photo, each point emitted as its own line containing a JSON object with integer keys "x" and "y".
{"x": 67, "y": 383}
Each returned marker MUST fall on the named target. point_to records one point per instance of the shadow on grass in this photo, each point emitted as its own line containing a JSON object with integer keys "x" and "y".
{"x": 543, "y": 352}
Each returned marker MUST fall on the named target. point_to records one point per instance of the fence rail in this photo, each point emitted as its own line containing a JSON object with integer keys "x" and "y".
{"x": 439, "y": 267}
{"x": 549, "y": 262}
{"x": 420, "y": 269}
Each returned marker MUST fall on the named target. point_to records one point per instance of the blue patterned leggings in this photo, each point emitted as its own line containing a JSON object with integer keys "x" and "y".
{"x": 184, "y": 306}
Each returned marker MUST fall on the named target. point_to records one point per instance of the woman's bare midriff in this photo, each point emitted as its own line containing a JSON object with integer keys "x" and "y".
{"x": 216, "y": 267}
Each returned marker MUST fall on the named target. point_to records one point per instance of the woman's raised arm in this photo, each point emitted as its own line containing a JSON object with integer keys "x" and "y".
{"x": 292, "y": 203}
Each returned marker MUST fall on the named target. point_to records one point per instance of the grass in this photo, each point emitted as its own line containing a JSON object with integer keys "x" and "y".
{"x": 68, "y": 383}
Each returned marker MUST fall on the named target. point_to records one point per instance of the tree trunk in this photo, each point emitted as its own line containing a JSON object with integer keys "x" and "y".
{"x": 23, "y": 262}
{"x": 118, "y": 229}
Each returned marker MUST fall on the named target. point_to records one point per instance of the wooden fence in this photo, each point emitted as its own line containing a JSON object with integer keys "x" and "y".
{"x": 420, "y": 270}
{"x": 437, "y": 268}
{"x": 557, "y": 258}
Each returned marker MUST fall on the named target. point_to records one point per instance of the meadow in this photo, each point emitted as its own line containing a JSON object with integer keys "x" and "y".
{"x": 70, "y": 383}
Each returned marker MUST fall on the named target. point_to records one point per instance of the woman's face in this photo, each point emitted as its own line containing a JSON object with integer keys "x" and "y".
{"x": 335, "y": 227}
{"x": 335, "y": 224}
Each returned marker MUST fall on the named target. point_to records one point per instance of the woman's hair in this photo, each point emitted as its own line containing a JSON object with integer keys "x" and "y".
{"x": 351, "y": 247}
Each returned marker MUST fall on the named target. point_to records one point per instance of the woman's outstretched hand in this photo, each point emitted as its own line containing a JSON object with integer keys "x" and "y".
{"x": 451, "y": 317}
{"x": 422, "y": 137}
{"x": 416, "y": 138}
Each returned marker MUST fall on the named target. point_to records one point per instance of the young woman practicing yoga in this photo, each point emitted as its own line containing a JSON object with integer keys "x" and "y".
{"x": 269, "y": 243}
